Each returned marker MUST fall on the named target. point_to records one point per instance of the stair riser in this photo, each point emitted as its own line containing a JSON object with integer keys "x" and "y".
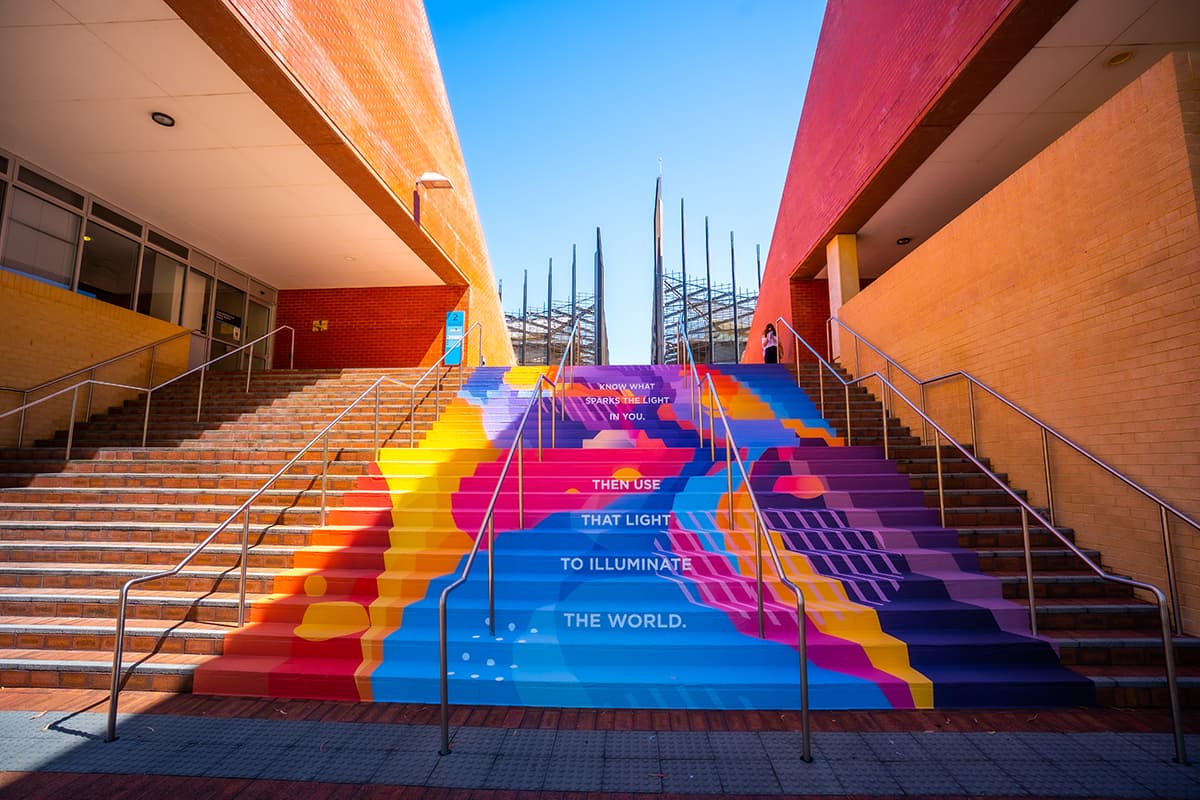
{"x": 115, "y": 582}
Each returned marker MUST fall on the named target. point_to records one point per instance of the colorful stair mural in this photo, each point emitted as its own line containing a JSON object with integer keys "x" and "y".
{"x": 621, "y": 583}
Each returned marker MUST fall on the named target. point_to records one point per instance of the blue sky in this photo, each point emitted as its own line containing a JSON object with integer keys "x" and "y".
{"x": 564, "y": 107}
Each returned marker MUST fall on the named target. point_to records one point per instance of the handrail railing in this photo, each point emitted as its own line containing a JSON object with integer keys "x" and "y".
{"x": 761, "y": 531}
{"x": 150, "y": 390}
{"x": 1165, "y": 508}
{"x": 461, "y": 346}
{"x": 203, "y": 368}
{"x": 244, "y": 511}
{"x": 1028, "y": 511}
{"x": 91, "y": 370}
{"x": 74, "y": 389}
{"x": 488, "y": 527}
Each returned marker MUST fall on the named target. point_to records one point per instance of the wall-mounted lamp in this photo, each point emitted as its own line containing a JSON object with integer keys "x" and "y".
{"x": 163, "y": 118}
{"x": 430, "y": 180}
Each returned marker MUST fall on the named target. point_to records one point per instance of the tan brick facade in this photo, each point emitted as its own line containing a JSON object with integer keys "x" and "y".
{"x": 48, "y": 331}
{"x": 1074, "y": 288}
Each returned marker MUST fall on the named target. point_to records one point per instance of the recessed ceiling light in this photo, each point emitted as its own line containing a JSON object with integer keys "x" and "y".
{"x": 347, "y": 258}
{"x": 904, "y": 240}
{"x": 1120, "y": 58}
{"x": 162, "y": 118}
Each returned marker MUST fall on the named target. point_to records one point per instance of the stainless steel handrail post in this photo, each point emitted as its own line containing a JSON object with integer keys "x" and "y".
{"x": 1028, "y": 546}
{"x": 1172, "y": 679}
{"x": 200, "y": 393}
{"x": 1169, "y": 552}
{"x": 110, "y": 733}
{"x": 375, "y": 441}
{"x": 729, "y": 474}
{"x": 249, "y": 367}
{"x": 849, "y": 430}
{"x": 324, "y": 473}
{"x": 884, "y": 412}
{"x": 521, "y": 482}
{"x": 820, "y": 380}
{"x": 87, "y": 407}
{"x": 292, "y": 354}
{"x": 924, "y": 407}
{"x": 245, "y": 567}
{"x": 21, "y": 420}
{"x": 71, "y": 424}
{"x": 1049, "y": 476}
{"x": 758, "y": 573}
{"x": 539, "y": 421}
{"x": 412, "y": 415}
{"x": 971, "y": 413}
{"x": 491, "y": 533}
{"x": 802, "y": 636}
{"x": 937, "y": 455}
{"x": 146, "y": 418}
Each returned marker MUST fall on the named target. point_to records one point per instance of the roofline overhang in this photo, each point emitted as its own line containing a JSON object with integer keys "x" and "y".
{"x": 1010, "y": 38}
{"x": 230, "y": 36}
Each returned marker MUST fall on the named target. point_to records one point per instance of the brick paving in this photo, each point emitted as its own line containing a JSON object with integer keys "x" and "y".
{"x": 51, "y": 746}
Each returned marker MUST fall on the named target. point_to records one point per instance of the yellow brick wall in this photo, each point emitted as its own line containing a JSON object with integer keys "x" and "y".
{"x": 48, "y": 331}
{"x": 1074, "y": 289}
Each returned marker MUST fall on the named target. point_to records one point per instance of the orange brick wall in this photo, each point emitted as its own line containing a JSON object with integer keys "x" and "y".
{"x": 386, "y": 327}
{"x": 370, "y": 67}
{"x": 1073, "y": 289}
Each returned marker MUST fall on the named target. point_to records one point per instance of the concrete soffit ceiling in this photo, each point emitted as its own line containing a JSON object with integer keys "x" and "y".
{"x": 79, "y": 80}
{"x": 1061, "y": 80}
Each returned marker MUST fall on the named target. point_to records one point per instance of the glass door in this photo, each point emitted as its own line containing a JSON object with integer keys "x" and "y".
{"x": 258, "y": 324}
{"x": 229, "y": 326}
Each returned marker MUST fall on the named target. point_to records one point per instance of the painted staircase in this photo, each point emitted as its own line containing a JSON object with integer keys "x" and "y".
{"x": 621, "y": 582}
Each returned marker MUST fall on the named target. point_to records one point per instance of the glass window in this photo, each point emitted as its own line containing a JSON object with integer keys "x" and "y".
{"x": 197, "y": 295}
{"x": 158, "y": 240}
{"x": 160, "y": 293}
{"x": 47, "y": 186}
{"x": 109, "y": 266}
{"x": 42, "y": 239}
{"x": 116, "y": 220}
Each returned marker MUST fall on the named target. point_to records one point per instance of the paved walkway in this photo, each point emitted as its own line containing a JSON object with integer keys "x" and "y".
{"x": 235, "y": 748}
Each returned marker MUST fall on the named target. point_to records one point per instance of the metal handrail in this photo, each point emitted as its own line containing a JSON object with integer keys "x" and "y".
{"x": 1027, "y": 510}
{"x": 760, "y": 527}
{"x": 244, "y": 511}
{"x": 204, "y": 368}
{"x": 1165, "y": 508}
{"x": 572, "y": 350}
{"x": 488, "y": 526}
{"x": 74, "y": 389}
{"x": 462, "y": 356}
{"x": 152, "y": 347}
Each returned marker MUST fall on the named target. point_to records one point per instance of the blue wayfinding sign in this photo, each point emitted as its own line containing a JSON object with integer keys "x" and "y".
{"x": 455, "y": 323}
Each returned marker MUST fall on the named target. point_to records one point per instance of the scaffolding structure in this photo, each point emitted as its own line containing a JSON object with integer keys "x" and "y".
{"x": 717, "y": 326}
{"x": 539, "y": 336}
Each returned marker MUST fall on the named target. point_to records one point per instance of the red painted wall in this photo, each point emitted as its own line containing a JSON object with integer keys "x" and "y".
{"x": 881, "y": 66}
{"x": 397, "y": 326}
